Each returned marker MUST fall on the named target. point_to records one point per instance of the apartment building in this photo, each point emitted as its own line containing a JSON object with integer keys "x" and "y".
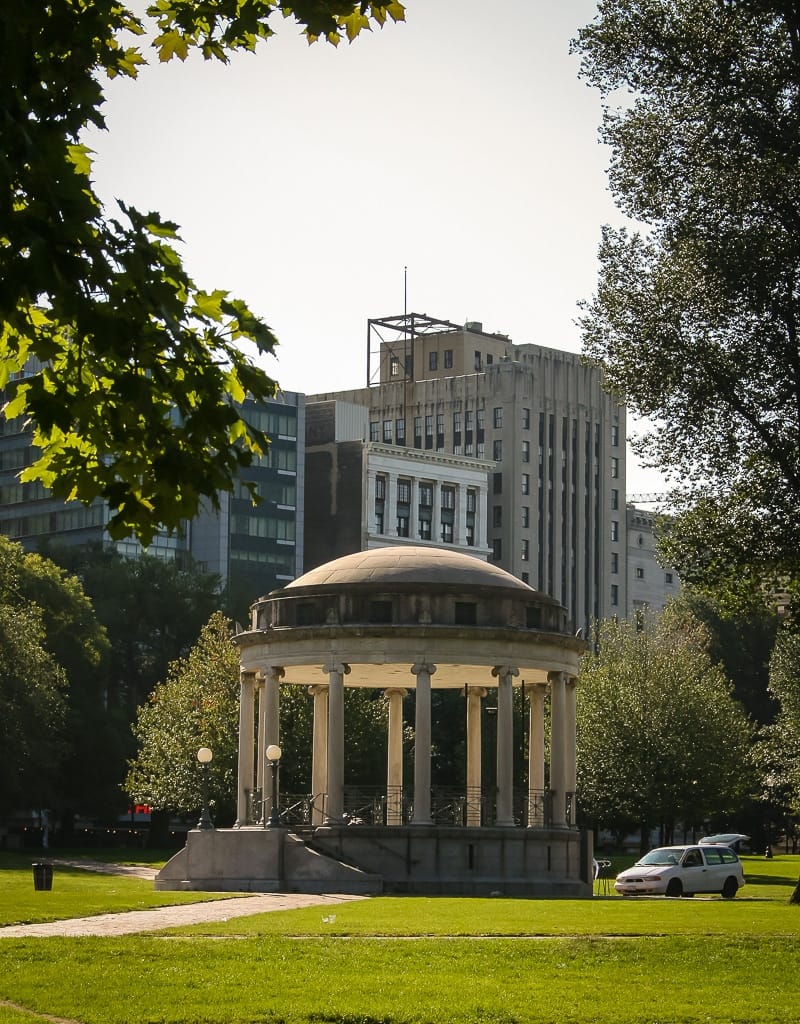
{"x": 553, "y": 438}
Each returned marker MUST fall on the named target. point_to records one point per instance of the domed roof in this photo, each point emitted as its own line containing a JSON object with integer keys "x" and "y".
{"x": 404, "y": 564}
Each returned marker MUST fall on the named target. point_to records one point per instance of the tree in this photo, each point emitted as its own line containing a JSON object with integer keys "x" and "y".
{"x": 196, "y": 706}
{"x": 135, "y": 370}
{"x": 51, "y": 653}
{"x": 661, "y": 740}
{"x": 784, "y": 684}
{"x": 696, "y": 319}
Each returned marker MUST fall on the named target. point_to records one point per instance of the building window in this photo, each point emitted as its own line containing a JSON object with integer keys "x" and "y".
{"x": 448, "y": 359}
{"x": 614, "y": 563}
{"x": 489, "y": 358}
{"x": 497, "y": 549}
{"x": 477, "y": 361}
{"x": 439, "y": 431}
{"x": 470, "y": 535}
{"x": 526, "y": 483}
{"x": 497, "y": 451}
{"x": 526, "y": 550}
{"x": 639, "y": 572}
{"x": 448, "y": 497}
{"x": 480, "y": 423}
{"x": 426, "y": 495}
{"x": 480, "y": 450}
{"x": 387, "y": 431}
{"x": 615, "y": 468}
{"x": 400, "y": 431}
{"x": 526, "y": 451}
{"x": 429, "y": 431}
{"x": 497, "y": 417}
{"x": 403, "y": 492}
{"x": 614, "y": 499}
{"x": 380, "y": 488}
{"x": 402, "y": 526}
{"x": 668, "y": 578}
{"x": 526, "y": 517}
{"x": 614, "y": 529}
{"x": 374, "y": 428}
{"x": 526, "y": 419}
{"x": 433, "y": 360}
{"x": 614, "y": 595}
{"x": 417, "y": 431}
{"x": 497, "y": 515}
{"x": 394, "y": 367}
{"x": 614, "y": 435}
{"x": 425, "y": 529}
{"x": 379, "y": 522}
{"x": 447, "y": 533}
{"x": 497, "y": 483}
{"x": 472, "y": 501}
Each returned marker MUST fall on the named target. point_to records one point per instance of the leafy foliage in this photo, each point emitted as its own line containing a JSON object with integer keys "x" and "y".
{"x": 660, "y": 737}
{"x": 696, "y": 319}
{"x": 784, "y": 684}
{"x": 196, "y": 706}
{"x": 50, "y": 644}
{"x": 132, "y": 370}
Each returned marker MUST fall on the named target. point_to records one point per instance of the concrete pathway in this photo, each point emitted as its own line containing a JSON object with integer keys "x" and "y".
{"x": 133, "y": 921}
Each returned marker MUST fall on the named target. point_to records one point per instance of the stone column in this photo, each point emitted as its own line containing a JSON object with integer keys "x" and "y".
{"x": 474, "y": 695}
{"x": 390, "y": 505}
{"x": 394, "y": 756}
{"x": 558, "y": 780}
{"x": 370, "y": 518}
{"x": 460, "y": 526}
{"x": 319, "y": 753}
{"x": 570, "y": 729}
{"x": 261, "y": 745}
{"x": 436, "y": 515}
{"x": 334, "y": 804}
{"x": 536, "y": 694}
{"x": 269, "y": 726}
{"x": 247, "y": 686}
{"x": 422, "y": 744}
{"x": 413, "y": 511}
{"x": 505, "y": 743}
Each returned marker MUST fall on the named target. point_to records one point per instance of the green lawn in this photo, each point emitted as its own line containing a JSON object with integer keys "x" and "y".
{"x": 76, "y": 893}
{"x": 431, "y": 961}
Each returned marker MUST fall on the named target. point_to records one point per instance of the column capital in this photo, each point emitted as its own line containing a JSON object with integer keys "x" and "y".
{"x": 505, "y": 670}
{"x": 474, "y": 691}
{"x": 571, "y": 681}
{"x": 420, "y": 667}
{"x": 248, "y": 677}
{"x": 273, "y": 673}
{"x": 556, "y": 677}
{"x": 339, "y": 667}
{"x": 395, "y": 691}
{"x": 317, "y": 689}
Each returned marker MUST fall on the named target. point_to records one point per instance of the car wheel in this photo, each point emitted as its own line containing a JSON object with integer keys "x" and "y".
{"x": 730, "y": 888}
{"x": 674, "y": 887}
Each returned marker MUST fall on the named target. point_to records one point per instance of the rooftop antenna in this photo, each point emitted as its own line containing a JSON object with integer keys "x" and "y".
{"x": 405, "y": 291}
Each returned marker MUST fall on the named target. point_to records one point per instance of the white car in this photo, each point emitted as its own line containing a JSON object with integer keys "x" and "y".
{"x": 683, "y": 871}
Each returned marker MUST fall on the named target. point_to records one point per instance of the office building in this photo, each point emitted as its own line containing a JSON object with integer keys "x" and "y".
{"x": 555, "y": 440}
{"x": 363, "y": 494}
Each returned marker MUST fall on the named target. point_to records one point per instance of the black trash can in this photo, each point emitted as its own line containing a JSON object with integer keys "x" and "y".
{"x": 42, "y": 877}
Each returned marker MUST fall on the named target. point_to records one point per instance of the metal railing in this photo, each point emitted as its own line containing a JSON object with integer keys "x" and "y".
{"x": 377, "y": 805}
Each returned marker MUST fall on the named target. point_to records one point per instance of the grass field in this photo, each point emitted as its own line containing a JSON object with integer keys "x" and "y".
{"x": 426, "y": 961}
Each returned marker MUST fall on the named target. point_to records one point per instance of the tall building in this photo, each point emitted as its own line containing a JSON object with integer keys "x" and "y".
{"x": 554, "y": 438}
{"x": 364, "y": 494}
{"x": 252, "y": 548}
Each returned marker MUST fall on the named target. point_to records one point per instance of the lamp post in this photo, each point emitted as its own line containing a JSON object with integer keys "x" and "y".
{"x": 204, "y": 756}
{"x": 274, "y": 757}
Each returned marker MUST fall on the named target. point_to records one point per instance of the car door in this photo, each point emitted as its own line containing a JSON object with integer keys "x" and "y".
{"x": 693, "y": 871}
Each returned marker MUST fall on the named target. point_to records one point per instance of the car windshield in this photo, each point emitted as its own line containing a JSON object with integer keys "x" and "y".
{"x": 667, "y": 855}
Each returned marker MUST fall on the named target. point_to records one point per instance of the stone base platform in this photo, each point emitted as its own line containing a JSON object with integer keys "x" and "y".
{"x": 366, "y": 859}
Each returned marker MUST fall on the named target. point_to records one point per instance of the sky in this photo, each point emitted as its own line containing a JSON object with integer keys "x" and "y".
{"x": 460, "y": 145}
